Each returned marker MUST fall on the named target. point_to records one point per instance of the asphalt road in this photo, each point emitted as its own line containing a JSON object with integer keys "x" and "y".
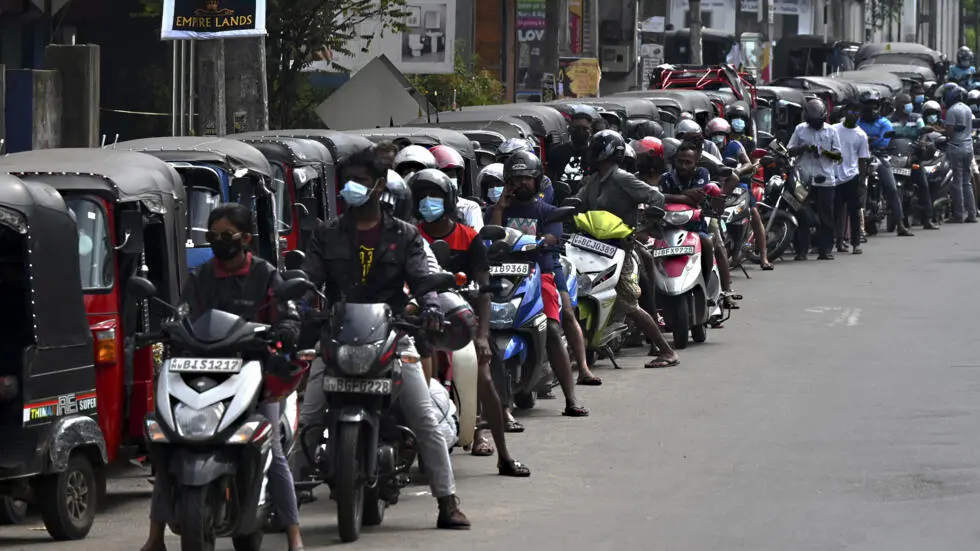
{"x": 837, "y": 410}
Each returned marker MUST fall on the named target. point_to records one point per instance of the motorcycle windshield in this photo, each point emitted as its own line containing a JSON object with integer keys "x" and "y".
{"x": 363, "y": 323}
{"x": 218, "y": 325}
{"x": 602, "y": 225}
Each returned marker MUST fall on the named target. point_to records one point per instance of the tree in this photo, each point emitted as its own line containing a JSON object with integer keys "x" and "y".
{"x": 468, "y": 84}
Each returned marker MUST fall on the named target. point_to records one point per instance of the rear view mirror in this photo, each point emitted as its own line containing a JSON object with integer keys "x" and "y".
{"x": 730, "y": 162}
{"x": 764, "y": 137}
{"x": 725, "y": 171}
{"x": 141, "y": 288}
{"x": 573, "y": 202}
{"x": 129, "y": 225}
{"x": 492, "y": 233}
{"x": 293, "y": 260}
{"x": 442, "y": 252}
{"x": 295, "y": 274}
{"x": 294, "y": 289}
{"x": 442, "y": 281}
{"x": 560, "y": 214}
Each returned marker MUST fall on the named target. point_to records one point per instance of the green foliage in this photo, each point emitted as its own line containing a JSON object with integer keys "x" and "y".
{"x": 470, "y": 84}
{"x": 883, "y": 11}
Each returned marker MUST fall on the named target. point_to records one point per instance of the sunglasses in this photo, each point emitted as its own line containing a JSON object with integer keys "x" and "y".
{"x": 226, "y": 236}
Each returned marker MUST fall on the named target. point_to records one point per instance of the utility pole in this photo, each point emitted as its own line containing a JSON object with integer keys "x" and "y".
{"x": 695, "y": 11}
{"x": 246, "y": 89}
{"x": 826, "y": 28}
{"x": 549, "y": 54}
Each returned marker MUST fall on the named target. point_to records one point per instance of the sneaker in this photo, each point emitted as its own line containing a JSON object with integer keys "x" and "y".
{"x": 841, "y": 247}
{"x": 450, "y": 517}
{"x": 971, "y": 220}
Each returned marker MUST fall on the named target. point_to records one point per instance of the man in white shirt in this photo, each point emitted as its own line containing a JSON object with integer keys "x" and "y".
{"x": 852, "y": 173}
{"x": 818, "y": 147}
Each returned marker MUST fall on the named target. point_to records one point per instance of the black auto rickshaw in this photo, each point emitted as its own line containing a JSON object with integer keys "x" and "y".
{"x": 304, "y": 193}
{"x": 832, "y": 91}
{"x": 885, "y": 83}
{"x": 805, "y": 54}
{"x": 215, "y": 171}
{"x": 902, "y": 53}
{"x": 783, "y": 112}
{"x": 668, "y": 108}
{"x": 429, "y": 137}
{"x": 129, "y": 219}
{"x": 694, "y": 102}
{"x": 910, "y": 75}
{"x": 615, "y": 116}
{"x": 489, "y": 134}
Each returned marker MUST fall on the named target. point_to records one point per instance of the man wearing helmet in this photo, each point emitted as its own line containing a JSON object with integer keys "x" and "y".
{"x": 450, "y": 162}
{"x": 519, "y": 208}
{"x": 567, "y": 162}
{"x": 434, "y": 196}
{"x": 617, "y": 191}
{"x": 413, "y": 158}
{"x": 688, "y": 130}
{"x": 512, "y": 145}
{"x": 958, "y": 128}
{"x": 491, "y": 182}
{"x": 908, "y": 124}
{"x": 341, "y": 261}
{"x": 962, "y": 73}
{"x": 737, "y": 115}
{"x": 876, "y": 127}
{"x": 818, "y": 147}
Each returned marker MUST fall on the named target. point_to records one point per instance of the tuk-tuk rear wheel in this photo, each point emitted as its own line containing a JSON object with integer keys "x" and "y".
{"x": 69, "y": 499}
{"x": 12, "y": 511}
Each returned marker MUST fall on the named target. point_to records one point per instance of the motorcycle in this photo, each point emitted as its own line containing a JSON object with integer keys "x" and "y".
{"x": 781, "y": 201}
{"x": 368, "y": 452}
{"x": 907, "y": 157}
{"x": 206, "y": 437}
{"x": 736, "y": 227}
{"x": 690, "y": 299}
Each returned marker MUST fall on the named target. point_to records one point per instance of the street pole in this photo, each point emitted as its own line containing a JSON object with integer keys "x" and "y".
{"x": 826, "y": 12}
{"x": 552, "y": 34}
{"x": 695, "y": 9}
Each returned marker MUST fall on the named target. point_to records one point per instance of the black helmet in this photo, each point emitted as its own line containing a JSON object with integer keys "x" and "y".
{"x": 871, "y": 96}
{"x": 647, "y": 129}
{"x": 670, "y": 148}
{"x": 523, "y": 163}
{"x": 510, "y": 146}
{"x": 432, "y": 178}
{"x": 607, "y": 145}
{"x": 815, "y": 110}
{"x": 462, "y": 323}
{"x": 582, "y": 111}
{"x": 837, "y": 113}
{"x": 951, "y": 93}
{"x": 964, "y": 56}
{"x": 737, "y": 110}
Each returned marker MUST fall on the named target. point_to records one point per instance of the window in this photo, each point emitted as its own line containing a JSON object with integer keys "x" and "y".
{"x": 200, "y": 202}
{"x": 283, "y": 204}
{"x": 763, "y": 119}
{"x": 94, "y": 246}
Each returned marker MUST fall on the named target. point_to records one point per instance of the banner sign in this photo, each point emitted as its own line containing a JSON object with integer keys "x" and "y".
{"x": 212, "y": 19}
{"x": 578, "y": 77}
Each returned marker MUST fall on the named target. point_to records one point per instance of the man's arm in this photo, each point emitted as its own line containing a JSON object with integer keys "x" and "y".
{"x": 417, "y": 268}
{"x": 640, "y": 191}
{"x": 834, "y": 153}
{"x": 315, "y": 265}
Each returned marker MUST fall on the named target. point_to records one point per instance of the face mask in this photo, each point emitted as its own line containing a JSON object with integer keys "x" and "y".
{"x": 919, "y": 99}
{"x": 815, "y": 124}
{"x": 355, "y": 194}
{"x": 494, "y": 193}
{"x": 719, "y": 139}
{"x": 226, "y": 250}
{"x": 580, "y": 136}
{"x": 431, "y": 208}
{"x": 849, "y": 122}
{"x": 455, "y": 183}
{"x": 738, "y": 125}
{"x": 524, "y": 194}
{"x": 931, "y": 119}
{"x": 908, "y": 107}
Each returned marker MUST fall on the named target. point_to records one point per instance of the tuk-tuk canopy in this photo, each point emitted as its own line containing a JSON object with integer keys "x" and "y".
{"x": 634, "y": 107}
{"x": 616, "y": 117}
{"x": 882, "y": 79}
{"x": 291, "y": 151}
{"x": 692, "y": 101}
{"x": 776, "y": 94}
{"x": 61, "y": 328}
{"x": 911, "y": 72}
{"x": 838, "y": 90}
{"x": 546, "y": 122}
{"x": 341, "y": 144}
{"x": 805, "y": 54}
{"x": 121, "y": 175}
{"x": 885, "y": 51}
{"x": 232, "y": 154}
{"x": 426, "y": 137}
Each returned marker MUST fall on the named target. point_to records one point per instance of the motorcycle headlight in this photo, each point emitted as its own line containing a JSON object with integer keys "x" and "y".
{"x": 732, "y": 212}
{"x": 357, "y": 359}
{"x": 198, "y": 424}
{"x": 502, "y": 314}
{"x": 679, "y": 218}
{"x": 773, "y": 185}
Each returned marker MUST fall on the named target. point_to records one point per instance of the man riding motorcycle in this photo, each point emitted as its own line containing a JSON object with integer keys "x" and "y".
{"x": 615, "y": 190}
{"x": 567, "y": 162}
{"x": 491, "y": 182}
{"x": 876, "y": 126}
{"x": 367, "y": 255}
{"x": 958, "y": 128}
{"x": 450, "y": 162}
{"x": 513, "y": 145}
{"x": 907, "y": 124}
{"x": 412, "y": 159}
{"x": 963, "y": 72}
{"x": 688, "y": 130}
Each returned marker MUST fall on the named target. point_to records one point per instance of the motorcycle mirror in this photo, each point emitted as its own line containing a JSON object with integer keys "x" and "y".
{"x": 492, "y": 233}
{"x": 295, "y": 274}
{"x": 573, "y": 202}
{"x": 768, "y": 160}
{"x": 730, "y": 162}
{"x": 140, "y": 287}
{"x": 441, "y": 251}
{"x": 293, "y": 260}
{"x": 442, "y": 281}
{"x": 294, "y": 289}
{"x": 560, "y": 214}
{"x": 725, "y": 171}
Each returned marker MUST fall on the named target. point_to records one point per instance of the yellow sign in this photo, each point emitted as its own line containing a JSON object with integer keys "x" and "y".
{"x": 579, "y": 77}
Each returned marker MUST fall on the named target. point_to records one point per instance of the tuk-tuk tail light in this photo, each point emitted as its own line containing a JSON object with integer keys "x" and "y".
{"x": 105, "y": 346}
{"x": 154, "y": 433}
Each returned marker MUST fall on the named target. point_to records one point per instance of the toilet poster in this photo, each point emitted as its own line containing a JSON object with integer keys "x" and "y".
{"x": 427, "y": 43}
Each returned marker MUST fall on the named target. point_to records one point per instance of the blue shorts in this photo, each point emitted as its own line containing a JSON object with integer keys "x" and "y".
{"x": 748, "y": 188}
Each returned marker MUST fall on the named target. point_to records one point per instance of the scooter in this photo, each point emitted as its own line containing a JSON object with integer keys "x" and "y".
{"x": 690, "y": 299}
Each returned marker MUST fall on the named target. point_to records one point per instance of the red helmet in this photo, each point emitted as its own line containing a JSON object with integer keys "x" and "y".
{"x": 446, "y": 157}
{"x": 648, "y": 146}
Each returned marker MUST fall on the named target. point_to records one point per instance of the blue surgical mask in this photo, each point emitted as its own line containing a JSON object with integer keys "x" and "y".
{"x": 494, "y": 193}
{"x": 920, "y": 98}
{"x": 931, "y": 119}
{"x": 908, "y": 107}
{"x": 738, "y": 125}
{"x": 431, "y": 208}
{"x": 355, "y": 194}
{"x": 719, "y": 139}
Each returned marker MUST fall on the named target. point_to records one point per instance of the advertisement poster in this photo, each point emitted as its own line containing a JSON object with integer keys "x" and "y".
{"x": 575, "y": 26}
{"x": 212, "y": 19}
{"x": 578, "y": 77}
{"x": 530, "y": 40}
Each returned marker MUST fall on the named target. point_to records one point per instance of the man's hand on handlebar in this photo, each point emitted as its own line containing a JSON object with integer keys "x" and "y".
{"x": 431, "y": 319}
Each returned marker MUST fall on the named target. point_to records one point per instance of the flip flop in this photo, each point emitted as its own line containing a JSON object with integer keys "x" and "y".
{"x": 514, "y": 426}
{"x": 768, "y": 267}
{"x": 589, "y": 381}
{"x": 660, "y": 363}
{"x": 513, "y": 468}
{"x": 575, "y": 411}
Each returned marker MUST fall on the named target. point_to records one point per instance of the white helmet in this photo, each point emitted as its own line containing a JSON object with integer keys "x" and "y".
{"x": 687, "y": 126}
{"x": 491, "y": 176}
{"x": 416, "y": 156}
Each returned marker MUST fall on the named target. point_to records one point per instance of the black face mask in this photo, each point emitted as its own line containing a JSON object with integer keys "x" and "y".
{"x": 226, "y": 250}
{"x": 815, "y": 124}
{"x": 580, "y": 136}
{"x": 524, "y": 194}
{"x": 870, "y": 113}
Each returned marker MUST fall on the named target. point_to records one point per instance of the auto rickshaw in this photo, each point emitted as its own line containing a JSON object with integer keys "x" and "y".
{"x": 299, "y": 167}
{"x": 891, "y": 83}
{"x": 429, "y": 137}
{"x": 805, "y": 54}
{"x": 215, "y": 171}
{"x": 129, "y": 219}
{"x": 902, "y": 53}
{"x": 690, "y": 101}
{"x": 615, "y": 116}
{"x": 832, "y": 91}
{"x": 910, "y": 74}
{"x": 715, "y": 45}
{"x": 786, "y": 106}
{"x": 490, "y": 134}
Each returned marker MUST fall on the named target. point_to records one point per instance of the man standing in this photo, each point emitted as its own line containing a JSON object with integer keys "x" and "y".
{"x": 959, "y": 150}
{"x": 852, "y": 173}
{"x": 818, "y": 147}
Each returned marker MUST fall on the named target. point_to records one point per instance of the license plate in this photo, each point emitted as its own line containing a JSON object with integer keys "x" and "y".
{"x": 592, "y": 245}
{"x": 673, "y": 251}
{"x": 902, "y": 172}
{"x": 510, "y": 269}
{"x": 793, "y": 202}
{"x": 357, "y": 386}
{"x": 205, "y": 365}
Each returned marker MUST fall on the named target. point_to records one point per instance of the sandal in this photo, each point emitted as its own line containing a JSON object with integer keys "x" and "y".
{"x": 768, "y": 267}
{"x": 482, "y": 445}
{"x": 513, "y": 467}
{"x": 575, "y": 411}
{"x": 513, "y": 426}
{"x": 660, "y": 363}
{"x": 589, "y": 381}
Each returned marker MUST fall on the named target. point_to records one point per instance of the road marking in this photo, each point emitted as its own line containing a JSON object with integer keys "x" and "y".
{"x": 850, "y": 316}
{"x": 841, "y": 317}
{"x": 852, "y": 320}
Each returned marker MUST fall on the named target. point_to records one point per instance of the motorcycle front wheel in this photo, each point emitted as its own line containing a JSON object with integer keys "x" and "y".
{"x": 348, "y": 486}
{"x": 196, "y": 519}
{"x": 680, "y": 322}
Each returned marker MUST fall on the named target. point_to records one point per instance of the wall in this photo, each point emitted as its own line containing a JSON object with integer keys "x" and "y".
{"x": 723, "y": 14}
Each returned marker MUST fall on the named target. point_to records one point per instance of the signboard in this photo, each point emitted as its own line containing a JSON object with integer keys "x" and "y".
{"x": 212, "y": 19}
{"x": 530, "y": 43}
{"x": 652, "y": 56}
{"x": 575, "y": 26}
{"x": 784, "y": 7}
{"x": 654, "y": 24}
{"x": 578, "y": 77}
